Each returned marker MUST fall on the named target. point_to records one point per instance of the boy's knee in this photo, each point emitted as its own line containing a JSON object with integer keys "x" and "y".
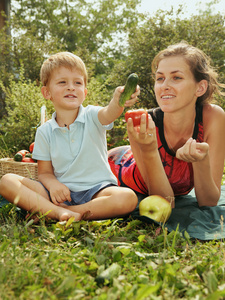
{"x": 131, "y": 200}
{"x": 5, "y": 181}
{"x": 5, "y": 178}
{"x": 134, "y": 200}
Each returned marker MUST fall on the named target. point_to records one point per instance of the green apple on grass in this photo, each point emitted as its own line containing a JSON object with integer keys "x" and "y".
{"x": 155, "y": 207}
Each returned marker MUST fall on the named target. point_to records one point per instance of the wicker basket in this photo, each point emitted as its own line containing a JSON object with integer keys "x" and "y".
{"x": 8, "y": 165}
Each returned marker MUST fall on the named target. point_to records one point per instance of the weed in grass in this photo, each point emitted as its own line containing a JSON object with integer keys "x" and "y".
{"x": 61, "y": 260}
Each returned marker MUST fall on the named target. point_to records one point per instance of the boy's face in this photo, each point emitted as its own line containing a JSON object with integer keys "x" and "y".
{"x": 66, "y": 89}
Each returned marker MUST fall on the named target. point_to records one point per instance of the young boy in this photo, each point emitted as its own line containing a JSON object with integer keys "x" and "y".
{"x": 73, "y": 171}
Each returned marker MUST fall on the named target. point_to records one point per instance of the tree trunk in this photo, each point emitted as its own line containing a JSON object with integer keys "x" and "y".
{"x": 4, "y": 7}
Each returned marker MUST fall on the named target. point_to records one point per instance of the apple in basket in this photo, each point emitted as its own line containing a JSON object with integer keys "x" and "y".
{"x": 155, "y": 207}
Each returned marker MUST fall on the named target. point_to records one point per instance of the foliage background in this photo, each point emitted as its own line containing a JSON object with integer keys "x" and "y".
{"x": 62, "y": 260}
{"x": 126, "y": 43}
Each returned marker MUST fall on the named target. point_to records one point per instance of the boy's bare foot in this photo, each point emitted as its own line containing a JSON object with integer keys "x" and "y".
{"x": 73, "y": 209}
{"x": 61, "y": 215}
{"x": 65, "y": 215}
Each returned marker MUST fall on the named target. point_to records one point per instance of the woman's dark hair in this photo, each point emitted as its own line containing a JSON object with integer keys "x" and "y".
{"x": 200, "y": 67}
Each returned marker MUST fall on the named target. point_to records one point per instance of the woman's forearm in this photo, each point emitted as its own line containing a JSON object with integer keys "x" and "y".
{"x": 206, "y": 190}
{"x": 155, "y": 176}
{"x": 149, "y": 163}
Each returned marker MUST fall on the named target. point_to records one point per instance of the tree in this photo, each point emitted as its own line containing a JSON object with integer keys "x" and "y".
{"x": 40, "y": 28}
{"x": 75, "y": 25}
{"x": 206, "y": 31}
{"x": 44, "y": 27}
{"x": 4, "y": 13}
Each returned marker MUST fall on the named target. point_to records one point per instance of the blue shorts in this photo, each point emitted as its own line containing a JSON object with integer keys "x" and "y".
{"x": 83, "y": 197}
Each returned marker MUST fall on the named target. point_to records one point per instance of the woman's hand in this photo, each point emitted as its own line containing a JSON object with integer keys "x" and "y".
{"x": 145, "y": 134}
{"x": 59, "y": 193}
{"x": 192, "y": 151}
{"x": 144, "y": 145}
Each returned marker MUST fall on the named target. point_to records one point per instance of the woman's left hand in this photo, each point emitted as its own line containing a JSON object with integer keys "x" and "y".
{"x": 192, "y": 151}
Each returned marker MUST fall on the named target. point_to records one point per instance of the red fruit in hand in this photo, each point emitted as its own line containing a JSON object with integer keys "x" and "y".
{"x": 135, "y": 115}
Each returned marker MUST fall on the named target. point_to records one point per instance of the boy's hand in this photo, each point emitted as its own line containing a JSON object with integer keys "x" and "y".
{"x": 134, "y": 96}
{"x": 59, "y": 193}
{"x": 111, "y": 112}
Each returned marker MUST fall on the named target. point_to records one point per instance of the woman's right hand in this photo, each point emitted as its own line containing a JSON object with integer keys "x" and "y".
{"x": 143, "y": 141}
{"x": 144, "y": 135}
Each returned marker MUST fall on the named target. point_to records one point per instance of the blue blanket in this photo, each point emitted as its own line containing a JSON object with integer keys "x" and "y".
{"x": 203, "y": 223}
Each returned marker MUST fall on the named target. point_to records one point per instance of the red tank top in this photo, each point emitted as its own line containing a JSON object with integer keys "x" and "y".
{"x": 179, "y": 173}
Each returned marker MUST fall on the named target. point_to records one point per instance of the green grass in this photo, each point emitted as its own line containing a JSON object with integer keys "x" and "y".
{"x": 63, "y": 260}
{"x": 54, "y": 260}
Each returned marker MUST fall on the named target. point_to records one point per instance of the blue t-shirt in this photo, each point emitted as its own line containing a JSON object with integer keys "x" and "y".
{"x": 79, "y": 155}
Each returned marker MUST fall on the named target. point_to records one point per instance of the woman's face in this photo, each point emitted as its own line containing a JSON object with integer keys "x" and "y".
{"x": 175, "y": 86}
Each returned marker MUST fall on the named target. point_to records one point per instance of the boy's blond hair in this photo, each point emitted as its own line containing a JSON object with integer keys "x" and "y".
{"x": 62, "y": 59}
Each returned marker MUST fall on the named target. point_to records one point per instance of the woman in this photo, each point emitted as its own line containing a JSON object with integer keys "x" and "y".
{"x": 183, "y": 145}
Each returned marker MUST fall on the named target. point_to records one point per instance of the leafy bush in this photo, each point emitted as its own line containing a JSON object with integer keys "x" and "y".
{"x": 23, "y": 101}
